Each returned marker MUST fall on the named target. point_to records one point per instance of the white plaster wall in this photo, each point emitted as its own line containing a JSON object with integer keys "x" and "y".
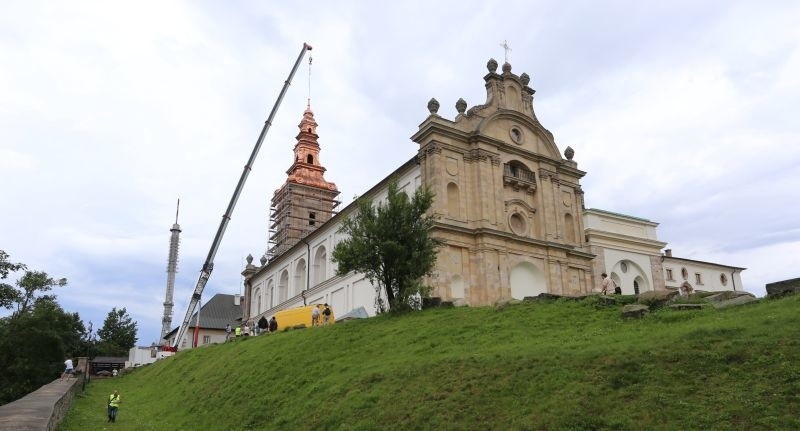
{"x": 217, "y": 336}
{"x": 139, "y": 356}
{"x": 619, "y": 225}
{"x": 343, "y": 293}
{"x": 709, "y": 274}
{"x": 638, "y": 265}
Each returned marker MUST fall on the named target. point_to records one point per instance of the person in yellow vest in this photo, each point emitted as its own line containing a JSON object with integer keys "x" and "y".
{"x": 113, "y": 405}
{"x": 238, "y": 331}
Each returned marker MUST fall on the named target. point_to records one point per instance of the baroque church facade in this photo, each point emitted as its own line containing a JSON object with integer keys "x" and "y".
{"x": 510, "y": 212}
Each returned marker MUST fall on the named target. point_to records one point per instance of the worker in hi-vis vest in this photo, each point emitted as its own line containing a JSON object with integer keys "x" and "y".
{"x": 113, "y": 405}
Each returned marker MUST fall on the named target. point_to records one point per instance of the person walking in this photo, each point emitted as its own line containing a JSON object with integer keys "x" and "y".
{"x": 607, "y": 284}
{"x": 238, "y": 331}
{"x": 315, "y": 316}
{"x": 68, "y": 370}
{"x": 326, "y": 315}
{"x": 113, "y": 406}
{"x": 227, "y": 331}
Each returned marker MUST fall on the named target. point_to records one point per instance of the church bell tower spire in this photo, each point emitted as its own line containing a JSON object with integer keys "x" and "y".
{"x": 306, "y": 200}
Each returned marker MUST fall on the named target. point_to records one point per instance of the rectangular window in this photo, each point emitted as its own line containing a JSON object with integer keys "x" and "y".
{"x": 312, "y": 219}
{"x": 669, "y": 275}
{"x": 698, "y": 278}
{"x": 206, "y": 339}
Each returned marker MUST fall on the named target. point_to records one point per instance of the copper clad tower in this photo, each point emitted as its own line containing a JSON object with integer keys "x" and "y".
{"x": 306, "y": 200}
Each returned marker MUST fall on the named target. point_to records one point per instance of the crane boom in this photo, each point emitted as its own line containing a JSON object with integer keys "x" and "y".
{"x": 208, "y": 265}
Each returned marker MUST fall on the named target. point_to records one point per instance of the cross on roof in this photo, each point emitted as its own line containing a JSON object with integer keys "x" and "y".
{"x": 506, "y": 48}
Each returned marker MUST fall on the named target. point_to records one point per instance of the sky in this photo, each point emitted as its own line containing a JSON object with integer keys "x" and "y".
{"x": 682, "y": 112}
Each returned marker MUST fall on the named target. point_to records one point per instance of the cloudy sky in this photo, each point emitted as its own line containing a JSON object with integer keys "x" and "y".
{"x": 681, "y": 112}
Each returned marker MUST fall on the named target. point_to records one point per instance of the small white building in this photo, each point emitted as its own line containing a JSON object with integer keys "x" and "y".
{"x": 627, "y": 248}
{"x": 143, "y": 355}
{"x": 699, "y": 275}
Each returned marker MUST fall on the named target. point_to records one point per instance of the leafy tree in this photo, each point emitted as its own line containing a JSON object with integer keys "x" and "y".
{"x": 36, "y": 338}
{"x": 28, "y": 286}
{"x": 118, "y": 334}
{"x": 7, "y": 292}
{"x": 33, "y": 347}
{"x": 390, "y": 244}
{"x": 7, "y": 267}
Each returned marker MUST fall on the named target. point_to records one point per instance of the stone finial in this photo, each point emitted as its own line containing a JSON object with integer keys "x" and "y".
{"x": 506, "y": 67}
{"x": 461, "y": 106}
{"x": 492, "y": 65}
{"x": 525, "y": 78}
{"x": 263, "y": 259}
{"x": 249, "y": 259}
{"x": 433, "y": 106}
{"x": 569, "y": 153}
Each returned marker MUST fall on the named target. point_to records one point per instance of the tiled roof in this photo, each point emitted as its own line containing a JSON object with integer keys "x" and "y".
{"x": 216, "y": 313}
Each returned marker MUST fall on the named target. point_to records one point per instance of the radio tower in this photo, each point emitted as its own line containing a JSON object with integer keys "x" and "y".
{"x": 172, "y": 268}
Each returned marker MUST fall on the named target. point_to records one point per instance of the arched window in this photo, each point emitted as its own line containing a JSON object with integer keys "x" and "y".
{"x": 320, "y": 265}
{"x": 453, "y": 201}
{"x": 300, "y": 276}
{"x": 518, "y": 171}
{"x": 255, "y": 307}
{"x": 283, "y": 287}
{"x": 270, "y": 294}
{"x": 310, "y": 159}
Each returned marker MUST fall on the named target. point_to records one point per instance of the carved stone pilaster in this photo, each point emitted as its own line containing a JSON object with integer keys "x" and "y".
{"x": 481, "y": 155}
{"x": 549, "y": 175}
{"x": 500, "y": 90}
{"x": 432, "y": 147}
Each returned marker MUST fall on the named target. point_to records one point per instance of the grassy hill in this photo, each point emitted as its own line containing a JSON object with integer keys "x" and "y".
{"x": 533, "y": 366}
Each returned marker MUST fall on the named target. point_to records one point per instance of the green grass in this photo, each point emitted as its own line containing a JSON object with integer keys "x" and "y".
{"x": 567, "y": 365}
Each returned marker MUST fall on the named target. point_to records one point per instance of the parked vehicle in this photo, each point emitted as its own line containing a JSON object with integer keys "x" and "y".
{"x": 300, "y": 316}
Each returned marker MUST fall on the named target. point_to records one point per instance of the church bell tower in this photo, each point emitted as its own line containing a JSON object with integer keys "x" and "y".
{"x": 306, "y": 200}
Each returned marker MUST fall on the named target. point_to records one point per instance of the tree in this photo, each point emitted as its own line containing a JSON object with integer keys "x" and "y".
{"x": 28, "y": 286}
{"x": 118, "y": 334}
{"x": 7, "y": 267}
{"x": 7, "y": 292}
{"x": 36, "y": 338}
{"x": 390, "y": 244}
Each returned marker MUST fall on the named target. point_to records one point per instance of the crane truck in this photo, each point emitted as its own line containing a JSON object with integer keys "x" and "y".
{"x": 208, "y": 265}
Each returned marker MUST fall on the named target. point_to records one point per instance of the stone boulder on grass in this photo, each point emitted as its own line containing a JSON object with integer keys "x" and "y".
{"x": 634, "y": 311}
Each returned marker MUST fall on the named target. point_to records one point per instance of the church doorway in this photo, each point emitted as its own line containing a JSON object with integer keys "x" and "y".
{"x": 457, "y": 287}
{"x": 527, "y": 280}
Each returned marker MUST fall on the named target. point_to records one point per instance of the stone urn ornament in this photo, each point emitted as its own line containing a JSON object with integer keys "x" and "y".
{"x": 461, "y": 106}
{"x": 569, "y": 153}
{"x": 433, "y": 106}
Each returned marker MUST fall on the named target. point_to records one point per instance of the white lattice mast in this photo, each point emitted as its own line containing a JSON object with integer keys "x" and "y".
{"x": 172, "y": 269}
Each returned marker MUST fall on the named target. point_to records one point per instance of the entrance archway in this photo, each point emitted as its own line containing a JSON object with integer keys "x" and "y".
{"x": 527, "y": 280}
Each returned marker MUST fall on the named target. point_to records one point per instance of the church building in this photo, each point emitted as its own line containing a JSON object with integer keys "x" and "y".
{"x": 510, "y": 213}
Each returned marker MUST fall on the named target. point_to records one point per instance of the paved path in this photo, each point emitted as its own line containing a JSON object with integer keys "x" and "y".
{"x": 42, "y": 409}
